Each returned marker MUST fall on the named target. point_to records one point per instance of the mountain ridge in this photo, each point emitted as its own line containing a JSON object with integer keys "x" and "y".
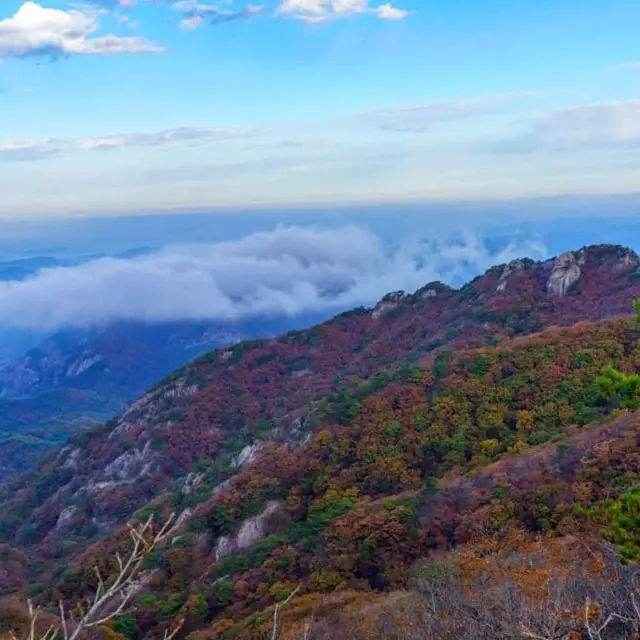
{"x": 353, "y": 345}
{"x": 233, "y": 430}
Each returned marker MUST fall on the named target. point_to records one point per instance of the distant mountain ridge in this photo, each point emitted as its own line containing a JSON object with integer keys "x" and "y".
{"x": 122, "y": 358}
{"x": 77, "y": 378}
{"x": 14, "y": 342}
{"x": 21, "y": 268}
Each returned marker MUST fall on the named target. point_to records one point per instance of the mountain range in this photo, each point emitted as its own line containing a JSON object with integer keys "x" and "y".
{"x": 331, "y": 460}
{"x": 77, "y": 378}
{"x": 15, "y": 342}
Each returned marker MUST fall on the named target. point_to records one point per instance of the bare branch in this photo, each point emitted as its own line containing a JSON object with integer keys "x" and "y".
{"x": 529, "y": 634}
{"x": 63, "y": 620}
{"x": 170, "y": 636}
{"x": 276, "y": 610}
{"x": 121, "y": 590}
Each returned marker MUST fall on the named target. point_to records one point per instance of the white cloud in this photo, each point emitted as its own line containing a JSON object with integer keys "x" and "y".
{"x": 195, "y": 8}
{"x": 110, "y": 4}
{"x": 195, "y": 14}
{"x": 389, "y": 12}
{"x": 593, "y": 126}
{"x": 404, "y": 118}
{"x": 38, "y": 149}
{"x": 289, "y": 270}
{"x": 624, "y": 65}
{"x": 29, "y": 150}
{"x": 324, "y": 10}
{"x": 423, "y": 116}
{"x": 189, "y": 24}
{"x": 38, "y": 31}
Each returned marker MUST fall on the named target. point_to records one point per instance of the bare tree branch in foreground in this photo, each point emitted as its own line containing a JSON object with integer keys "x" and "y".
{"x": 110, "y": 599}
{"x": 276, "y": 610}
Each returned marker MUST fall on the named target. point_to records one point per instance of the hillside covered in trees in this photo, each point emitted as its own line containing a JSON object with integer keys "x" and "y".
{"x": 450, "y": 464}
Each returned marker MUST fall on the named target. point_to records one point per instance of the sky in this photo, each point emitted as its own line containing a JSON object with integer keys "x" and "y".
{"x": 141, "y": 106}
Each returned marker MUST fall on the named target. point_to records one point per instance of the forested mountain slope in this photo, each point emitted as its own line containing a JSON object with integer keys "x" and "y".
{"x": 334, "y": 459}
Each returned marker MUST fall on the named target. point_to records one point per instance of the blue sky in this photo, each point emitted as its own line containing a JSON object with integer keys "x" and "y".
{"x": 122, "y": 106}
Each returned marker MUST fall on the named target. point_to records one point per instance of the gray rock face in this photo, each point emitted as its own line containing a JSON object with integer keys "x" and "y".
{"x": 129, "y": 463}
{"x": 251, "y": 530}
{"x": 389, "y": 302}
{"x": 513, "y": 267}
{"x": 247, "y": 455}
{"x": 66, "y": 515}
{"x": 191, "y": 482}
{"x": 628, "y": 259}
{"x": 565, "y": 271}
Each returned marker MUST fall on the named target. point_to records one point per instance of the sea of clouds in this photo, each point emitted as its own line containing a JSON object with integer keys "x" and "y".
{"x": 283, "y": 272}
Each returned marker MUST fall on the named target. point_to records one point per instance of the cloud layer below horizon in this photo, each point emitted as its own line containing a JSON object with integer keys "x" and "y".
{"x": 287, "y": 271}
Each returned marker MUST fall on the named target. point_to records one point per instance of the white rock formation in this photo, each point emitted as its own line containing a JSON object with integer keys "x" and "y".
{"x": 247, "y": 455}
{"x": 191, "y": 482}
{"x": 80, "y": 366}
{"x": 65, "y": 516}
{"x": 513, "y": 267}
{"x": 389, "y": 302}
{"x": 565, "y": 271}
{"x": 251, "y": 530}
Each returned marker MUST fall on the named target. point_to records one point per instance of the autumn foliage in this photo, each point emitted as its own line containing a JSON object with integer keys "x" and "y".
{"x": 461, "y": 467}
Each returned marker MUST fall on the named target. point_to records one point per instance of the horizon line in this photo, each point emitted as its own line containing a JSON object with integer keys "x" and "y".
{"x": 312, "y": 206}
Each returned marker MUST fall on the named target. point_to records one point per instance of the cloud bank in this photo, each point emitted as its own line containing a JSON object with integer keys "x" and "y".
{"x": 36, "y": 31}
{"x": 599, "y": 125}
{"x": 287, "y": 271}
{"x": 41, "y": 149}
{"x": 195, "y": 14}
{"x": 418, "y": 118}
{"x": 325, "y": 10}
{"x": 403, "y": 119}
{"x": 623, "y": 66}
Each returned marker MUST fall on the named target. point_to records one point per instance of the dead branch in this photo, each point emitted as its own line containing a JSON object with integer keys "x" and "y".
{"x": 121, "y": 590}
{"x": 276, "y": 610}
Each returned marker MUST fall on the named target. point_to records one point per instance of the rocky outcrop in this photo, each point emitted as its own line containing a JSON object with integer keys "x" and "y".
{"x": 513, "y": 267}
{"x": 565, "y": 272}
{"x": 191, "y": 482}
{"x": 247, "y": 455}
{"x": 628, "y": 259}
{"x": 142, "y": 412}
{"x": 81, "y": 365}
{"x": 66, "y": 515}
{"x": 71, "y": 457}
{"x": 44, "y": 367}
{"x": 432, "y": 290}
{"x": 251, "y": 530}
{"x": 129, "y": 464}
{"x": 388, "y": 303}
